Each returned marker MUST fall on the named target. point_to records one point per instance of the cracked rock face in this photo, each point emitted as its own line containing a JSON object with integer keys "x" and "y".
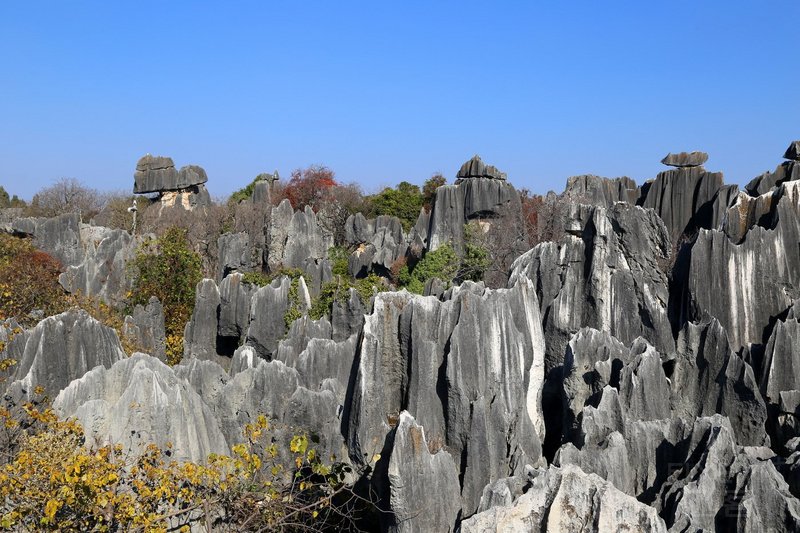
{"x": 158, "y": 174}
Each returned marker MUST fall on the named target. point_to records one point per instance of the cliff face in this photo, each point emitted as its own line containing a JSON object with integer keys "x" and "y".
{"x": 639, "y": 372}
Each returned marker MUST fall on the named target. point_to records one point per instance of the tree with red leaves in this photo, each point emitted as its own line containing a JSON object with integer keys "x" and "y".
{"x": 310, "y": 187}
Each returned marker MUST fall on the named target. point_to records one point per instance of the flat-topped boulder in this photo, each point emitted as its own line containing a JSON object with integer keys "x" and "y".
{"x": 793, "y": 152}
{"x": 476, "y": 168}
{"x": 158, "y": 174}
{"x": 685, "y": 159}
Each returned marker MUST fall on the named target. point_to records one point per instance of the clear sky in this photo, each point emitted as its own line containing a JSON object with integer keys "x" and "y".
{"x": 387, "y": 91}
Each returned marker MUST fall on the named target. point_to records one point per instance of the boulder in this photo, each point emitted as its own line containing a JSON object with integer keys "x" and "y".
{"x": 685, "y": 159}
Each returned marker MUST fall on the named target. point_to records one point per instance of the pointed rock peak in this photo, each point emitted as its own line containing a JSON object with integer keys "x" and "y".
{"x": 476, "y": 168}
{"x": 685, "y": 159}
{"x": 793, "y": 152}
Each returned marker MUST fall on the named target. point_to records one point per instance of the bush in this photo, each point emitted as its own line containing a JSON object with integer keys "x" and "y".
{"x": 50, "y": 481}
{"x": 476, "y": 260}
{"x": 170, "y": 271}
{"x": 442, "y": 263}
{"x": 28, "y": 281}
{"x": 338, "y": 290}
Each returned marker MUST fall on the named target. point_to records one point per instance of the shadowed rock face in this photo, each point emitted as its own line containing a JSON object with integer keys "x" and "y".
{"x": 603, "y": 273}
{"x": 158, "y": 174}
{"x": 793, "y": 152}
{"x": 684, "y": 199}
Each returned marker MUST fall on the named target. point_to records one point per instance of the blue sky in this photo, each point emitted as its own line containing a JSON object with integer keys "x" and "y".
{"x": 387, "y": 91}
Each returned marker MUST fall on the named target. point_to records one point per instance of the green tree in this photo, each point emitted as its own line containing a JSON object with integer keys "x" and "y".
{"x": 442, "y": 263}
{"x": 429, "y": 189}
{"x": 169, "y": 270}
{"x": 403, "y": 202}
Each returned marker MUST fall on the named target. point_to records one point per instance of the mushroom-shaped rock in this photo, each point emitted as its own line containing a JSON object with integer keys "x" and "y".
{"x": 793, "y": 152}
{"x": 476, "y": 168}
{"x": 685, "y": 159}
{"x": 157, "y": 174}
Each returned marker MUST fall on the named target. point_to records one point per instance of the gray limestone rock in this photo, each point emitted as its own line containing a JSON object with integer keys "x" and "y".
{"x": 234, "y": 306}
{"x": 294, "y": 237}
{"x": 58, "y": 236}
{"x": 708, "y": 377}
{"x": 200, "y": 337}
{"x": 793, "y": 152}
{"x": 684, "y": 199}
{"x": 234, "y": 254}
{"x": 146, "y": 328}
{"x": 103, "y": 272}
{"x": 158, "y": 174}
{"x": 786, "y": 171}
{"x": 568, "y": 499}
{"x": 734, "y": 283}
{"x": 685, "y": 159}
{"x": 780, "y": 365}
{"x": 476, "y": 168}
{"x": 423, "y": 483}
{"x": 139, "y": 401}
{"x": 603, "y": 192}
{"x": 62, "y": 348}
{"x": 267, "y": 309}
{"x": 347, "y": 316}
{"x": 606, "y": 270}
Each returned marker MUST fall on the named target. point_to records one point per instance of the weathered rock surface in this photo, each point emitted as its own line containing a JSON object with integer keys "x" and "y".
{"x": 200, "y": 335}
{"x": 423, "y": 485}
{"x": 684, "y": 199}
{"x": 234, "y": 254}
{"x": 603, "y": 192}
{"x": 567, "y": 499}
{"x": 476, "y": 168}
{"x": 734, "y": 283}
{"x": 62, "y": 348}
{"x": 605, "y": 271}
{"x": 786, "y": 171}
{"x": 102, "y": 273}
{"x": 294, "y": 237}
{"x": 59, "y": 236}
{"x": 685, "y": 159}
{"x": 139, "y": 401}
{"x": 484, "y": 409}
{"x": 379, "y": 243}
{"x": 146, "y": 328}
{"x": 158, "y": 174}
{"x": 494, "y": 201}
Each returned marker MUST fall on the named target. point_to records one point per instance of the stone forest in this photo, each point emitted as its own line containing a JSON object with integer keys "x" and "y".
{"x": 462, "y": 356}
